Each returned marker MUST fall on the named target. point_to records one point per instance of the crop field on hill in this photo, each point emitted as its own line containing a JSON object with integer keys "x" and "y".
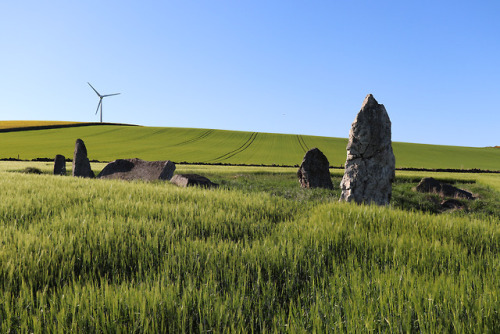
{"x": 258, "y": 254}
{"x": 110, "y": 142}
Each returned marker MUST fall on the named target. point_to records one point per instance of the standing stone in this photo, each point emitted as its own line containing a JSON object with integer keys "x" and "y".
{"x": 81, "y": 164}
{"x": 370, "y": 164}
{"x": 314, "y": 171}
{"x": 60, "y": 165}
{"x": 137, "y": 169}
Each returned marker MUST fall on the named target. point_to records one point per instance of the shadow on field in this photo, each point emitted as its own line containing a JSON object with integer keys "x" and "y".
{"x": 404, "y": 196}
{"x": 285, "y": 185}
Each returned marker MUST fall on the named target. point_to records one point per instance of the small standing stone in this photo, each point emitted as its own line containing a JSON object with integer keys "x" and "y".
{"x": 370, "y": 165}
{"x": 188, "y": 180}
{"x": 81, "y": 163}
{"x": 60, "y": 165}
{"x": 314, "y": 171}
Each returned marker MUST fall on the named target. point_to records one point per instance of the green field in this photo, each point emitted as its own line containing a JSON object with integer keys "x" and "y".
{"x": 259, "y": 254}
{"x": 110, "y": 142}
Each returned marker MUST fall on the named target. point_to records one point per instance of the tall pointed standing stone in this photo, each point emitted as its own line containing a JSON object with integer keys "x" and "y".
{"x": 60, "y": 165}
{"x": 370, "y": 164}
{"x": 81, "y": 164}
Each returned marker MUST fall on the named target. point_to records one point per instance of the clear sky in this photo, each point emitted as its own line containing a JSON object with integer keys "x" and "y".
{"x": 301, "y": 67}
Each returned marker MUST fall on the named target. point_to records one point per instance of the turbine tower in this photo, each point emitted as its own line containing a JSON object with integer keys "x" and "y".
{"x": 100, "y": 99}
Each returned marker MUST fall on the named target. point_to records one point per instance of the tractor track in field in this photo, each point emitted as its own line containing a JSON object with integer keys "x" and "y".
{"x": 195, "y": 139}
{"x": 240, "y": 149}
{"x": 302, "y": 143}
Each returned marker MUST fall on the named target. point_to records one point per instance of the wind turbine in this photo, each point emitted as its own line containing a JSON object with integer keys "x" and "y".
{"x": 100, "y": 99}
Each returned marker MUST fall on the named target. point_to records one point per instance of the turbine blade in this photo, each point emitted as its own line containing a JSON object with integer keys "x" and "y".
{"x": 94, "y": 89}
{"x": 100, "y": 103}
{"x": 111, "y": 94}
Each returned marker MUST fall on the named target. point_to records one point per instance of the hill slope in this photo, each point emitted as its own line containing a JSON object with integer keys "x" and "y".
{"x": 109, "y": 142}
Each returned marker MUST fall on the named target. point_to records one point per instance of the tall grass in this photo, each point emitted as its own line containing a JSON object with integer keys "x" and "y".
{"x": 108, "y": 256}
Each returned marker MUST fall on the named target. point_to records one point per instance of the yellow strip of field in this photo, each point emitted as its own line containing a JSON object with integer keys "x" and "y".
{"x": 30, "y": 124}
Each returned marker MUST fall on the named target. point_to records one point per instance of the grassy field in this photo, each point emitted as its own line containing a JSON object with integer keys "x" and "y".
{"x": 110, "y": 142}
{"x": 258, "y": 254}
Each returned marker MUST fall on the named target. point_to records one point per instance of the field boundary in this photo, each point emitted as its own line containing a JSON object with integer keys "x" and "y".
{"x": 409, "y": 169}
{"x": 59, "y": 126}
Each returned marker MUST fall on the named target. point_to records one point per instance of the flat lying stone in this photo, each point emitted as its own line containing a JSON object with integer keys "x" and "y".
{"x": 431, "y": 185}
{"x": 451, "y": 204}
{"x": 137, "y": 169}
{"x": 188, "y": 180}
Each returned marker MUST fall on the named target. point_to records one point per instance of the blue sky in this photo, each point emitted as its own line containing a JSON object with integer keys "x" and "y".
{"x": 301, "y": 67}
